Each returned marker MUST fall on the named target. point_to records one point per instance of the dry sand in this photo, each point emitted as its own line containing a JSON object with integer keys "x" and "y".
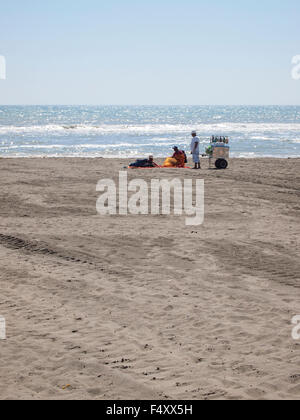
{"x": 142, "y": 307}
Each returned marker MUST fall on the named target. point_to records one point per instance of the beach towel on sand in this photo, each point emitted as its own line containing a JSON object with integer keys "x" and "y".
{"x": 144, "y": 164}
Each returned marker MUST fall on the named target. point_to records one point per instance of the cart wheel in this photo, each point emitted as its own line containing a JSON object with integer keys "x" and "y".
{"x": 221, "y": 164}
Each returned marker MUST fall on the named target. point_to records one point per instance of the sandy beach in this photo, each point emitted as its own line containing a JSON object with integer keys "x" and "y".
{"x": 144, "y": 307}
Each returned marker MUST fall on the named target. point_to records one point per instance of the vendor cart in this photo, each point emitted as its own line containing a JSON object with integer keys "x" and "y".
{"x": 218, "y": 152}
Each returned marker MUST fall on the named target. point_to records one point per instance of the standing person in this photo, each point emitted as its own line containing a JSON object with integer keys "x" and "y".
{"x": 195, "y": 150}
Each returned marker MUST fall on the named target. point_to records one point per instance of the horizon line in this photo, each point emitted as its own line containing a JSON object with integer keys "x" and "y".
{"x": 162, "y": 105}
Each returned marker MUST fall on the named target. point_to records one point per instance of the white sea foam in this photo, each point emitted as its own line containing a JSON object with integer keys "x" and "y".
{"x": 83, "y": 146}
{"x": 133, "y": 155}
{"x": 143, "y": 129}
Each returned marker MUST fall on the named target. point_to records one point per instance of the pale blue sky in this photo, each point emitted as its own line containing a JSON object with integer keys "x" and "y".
{"x": 149, "y": 52}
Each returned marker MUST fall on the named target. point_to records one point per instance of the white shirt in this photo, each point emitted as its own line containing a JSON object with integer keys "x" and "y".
{"x": 194, "y": 141}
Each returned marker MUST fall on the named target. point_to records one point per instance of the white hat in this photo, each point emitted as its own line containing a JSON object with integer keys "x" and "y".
{"x": 194, "y": 132}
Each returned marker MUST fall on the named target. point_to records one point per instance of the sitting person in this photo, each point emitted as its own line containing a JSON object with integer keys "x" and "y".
{"x": 180, "y": 157}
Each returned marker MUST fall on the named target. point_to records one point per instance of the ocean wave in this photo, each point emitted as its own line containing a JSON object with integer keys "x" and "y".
{"x": 155, "y": 129}
{"x": 82, "y": 146}
{"x": 135, "y": 154}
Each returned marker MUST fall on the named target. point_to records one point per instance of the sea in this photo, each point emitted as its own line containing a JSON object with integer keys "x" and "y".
{"x": 137, "y": 131}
